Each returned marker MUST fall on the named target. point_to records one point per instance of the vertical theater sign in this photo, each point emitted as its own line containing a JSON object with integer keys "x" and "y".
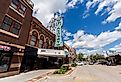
{"x": 59, "y": 24}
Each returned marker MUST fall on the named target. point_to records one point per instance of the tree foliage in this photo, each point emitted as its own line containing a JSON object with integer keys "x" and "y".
{"x": 80, "y": 57}
{"x": 96, "y": 57}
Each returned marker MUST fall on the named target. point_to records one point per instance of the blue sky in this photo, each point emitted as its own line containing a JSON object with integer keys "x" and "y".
{"x": 90, "y": 26}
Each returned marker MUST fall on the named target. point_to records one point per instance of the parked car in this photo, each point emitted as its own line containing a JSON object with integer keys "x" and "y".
{"x": 91, "y": 63}
{"x": 80, "y": 63}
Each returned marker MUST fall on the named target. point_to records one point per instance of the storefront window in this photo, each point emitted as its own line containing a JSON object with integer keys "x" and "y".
{"x": 4, "y": 61}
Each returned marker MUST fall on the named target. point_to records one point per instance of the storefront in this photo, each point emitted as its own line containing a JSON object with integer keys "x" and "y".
{"x": 5, "y": 58}
{"x": 10, "y": 60}
{"x": 29, "y": 59}
{"x": 54, "y": 58}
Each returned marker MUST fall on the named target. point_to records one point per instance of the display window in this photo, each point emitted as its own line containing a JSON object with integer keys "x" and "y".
{"x": 5, "y": 59}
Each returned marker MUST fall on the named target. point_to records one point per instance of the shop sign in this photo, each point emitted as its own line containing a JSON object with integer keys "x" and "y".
{"x": 6, "y": 48}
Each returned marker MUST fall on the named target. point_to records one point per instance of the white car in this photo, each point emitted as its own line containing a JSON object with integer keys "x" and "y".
{"x": 80, "y": 63}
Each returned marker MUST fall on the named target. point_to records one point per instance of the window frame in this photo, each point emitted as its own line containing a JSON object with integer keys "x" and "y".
{"x": 47, "y": 44}
{"x": 34, "y": 34}
{"x": 19, "y": 7}
{"x": 40, "y": 43}
{"x": 11, "y": 27}
{"x": 4, "y": 23}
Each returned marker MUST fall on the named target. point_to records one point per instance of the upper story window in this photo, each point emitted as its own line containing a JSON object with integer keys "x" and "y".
{"x": 33, "y": 40}
{"x": 7, "y": 23}
{"x": 10, "y": 26}
{"x": 40, "y": 45}
{"x": 41, "y": 41}
{"x": 16, "y": 28}
{"x": 16, "y": 4}
{"x": 22, "y": 9}
{"x": 47, "y": 44}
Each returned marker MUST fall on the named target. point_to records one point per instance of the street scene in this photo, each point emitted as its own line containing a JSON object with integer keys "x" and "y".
{"x": 60, "y": 41}
{"x": 89, "y": 73}
{"x": 86, "y": 73}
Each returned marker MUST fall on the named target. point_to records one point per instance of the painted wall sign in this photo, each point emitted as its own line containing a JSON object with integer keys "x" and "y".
{"x": 6, "y": 48}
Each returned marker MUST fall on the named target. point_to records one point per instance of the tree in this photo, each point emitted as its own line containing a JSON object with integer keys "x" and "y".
{"x": 96, "y": 57}
{"x": 80, "y": 56}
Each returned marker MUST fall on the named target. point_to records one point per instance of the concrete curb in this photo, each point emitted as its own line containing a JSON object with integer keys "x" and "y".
{"x": 44, "y": 76}
{"x": 70, "y": 71}
{"x": 40, "y": 77}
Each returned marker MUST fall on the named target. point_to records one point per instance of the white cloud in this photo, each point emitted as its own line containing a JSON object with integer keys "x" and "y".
{"x": 69, "y": 42}
{"x": 66, "y": 35}
{"x": 78, "y": 35}
{"x": 119, "y": 27}
{"x": 85, "y": 15}
{"x": 46, "y": 9}
{"x": 90, "y": 44}
{"x": 89, "y": 52}
{"x": 116, "y": 48}
{"x": 88, "y": 5}
{"x": 74, "y": 2}
{"x": 97, "y": 42}
{"x": 104, "y": 3}
{"x": 113, "y": 8}
{"x": 115, "y": 12}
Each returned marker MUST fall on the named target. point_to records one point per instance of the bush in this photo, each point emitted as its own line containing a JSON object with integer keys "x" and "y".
{"x": 73, "y": 64}
{"x": 62, "y": 70}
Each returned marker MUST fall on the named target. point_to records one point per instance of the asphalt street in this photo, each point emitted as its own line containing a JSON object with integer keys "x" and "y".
{"x": 89, "y": 73}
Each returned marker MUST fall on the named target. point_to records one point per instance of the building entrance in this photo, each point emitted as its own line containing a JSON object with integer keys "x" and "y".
{"x": 5, "y": 60}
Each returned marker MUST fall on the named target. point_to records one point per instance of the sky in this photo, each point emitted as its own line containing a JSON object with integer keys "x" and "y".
{"x": 90, "y": 26}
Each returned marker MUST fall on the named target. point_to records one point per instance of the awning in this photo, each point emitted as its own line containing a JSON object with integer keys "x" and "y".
{"x": 51, "y": 52}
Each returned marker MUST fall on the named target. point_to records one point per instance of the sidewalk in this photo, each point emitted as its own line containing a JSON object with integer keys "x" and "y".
{"x": 24, "y": 77}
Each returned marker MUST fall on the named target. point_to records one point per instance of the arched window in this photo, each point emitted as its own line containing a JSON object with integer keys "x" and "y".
{"x": 51, "y": 44}
{"x": 47, "y": 44}
{"x": 41, "y": 41}
{"x": 33, "y": 40}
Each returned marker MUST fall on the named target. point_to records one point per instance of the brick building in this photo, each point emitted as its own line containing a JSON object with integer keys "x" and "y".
{"x": 40, "y": 52}
{"x": 15, "y": 19}
{"x": 39, "y": 37}
{"x": 71, "y": 53}
{"x": 25, "y": 44}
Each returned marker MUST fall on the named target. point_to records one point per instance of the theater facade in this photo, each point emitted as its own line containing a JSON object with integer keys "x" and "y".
{"x": 39, "y": 50}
